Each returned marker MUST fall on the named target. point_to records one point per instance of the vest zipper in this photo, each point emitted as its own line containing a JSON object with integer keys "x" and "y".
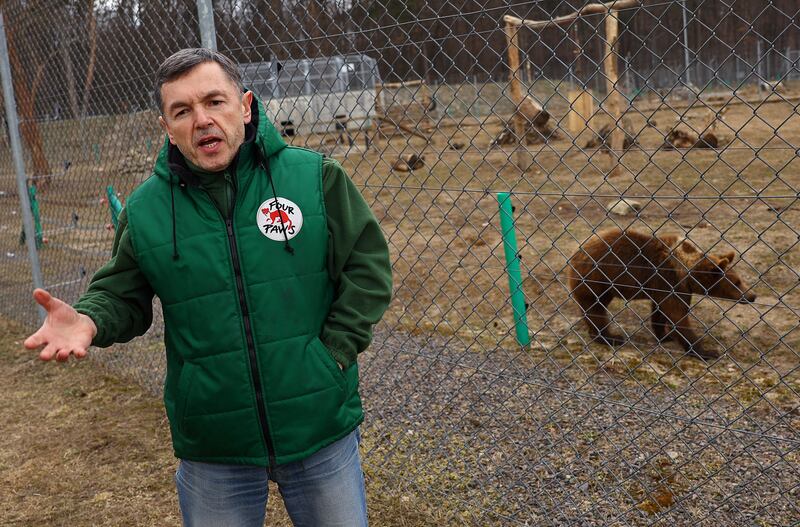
{"x": 248, "y": 330}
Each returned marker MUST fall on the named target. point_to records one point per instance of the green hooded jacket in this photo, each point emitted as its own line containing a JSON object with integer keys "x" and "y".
{"x": 261, "y": 298}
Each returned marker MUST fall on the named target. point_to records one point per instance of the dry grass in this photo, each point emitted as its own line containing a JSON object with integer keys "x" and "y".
{"x": 82, "y": 448}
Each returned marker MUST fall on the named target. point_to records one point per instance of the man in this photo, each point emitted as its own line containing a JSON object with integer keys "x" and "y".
{"x": 271, "y": 271}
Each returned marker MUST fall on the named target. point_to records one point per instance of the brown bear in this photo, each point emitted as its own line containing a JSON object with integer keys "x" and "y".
{"x": 667, "y": 270}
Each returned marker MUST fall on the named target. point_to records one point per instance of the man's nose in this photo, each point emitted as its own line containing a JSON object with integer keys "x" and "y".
{"x": 202, "y": 118}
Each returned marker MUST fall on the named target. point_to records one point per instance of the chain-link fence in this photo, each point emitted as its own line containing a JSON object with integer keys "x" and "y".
{"x": 500, "y": 144}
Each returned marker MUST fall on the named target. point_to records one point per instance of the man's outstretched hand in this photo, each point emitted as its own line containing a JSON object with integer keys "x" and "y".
{"x": 65, "y": 332}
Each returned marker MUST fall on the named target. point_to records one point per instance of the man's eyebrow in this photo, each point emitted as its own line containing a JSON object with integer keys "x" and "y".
{"x": 208, "y": 95}
{"x": 214, "y": 93}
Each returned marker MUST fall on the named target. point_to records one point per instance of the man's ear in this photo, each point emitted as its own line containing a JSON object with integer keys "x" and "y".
{"x": 247, "y": 100}
{"x": 165, "y": 127}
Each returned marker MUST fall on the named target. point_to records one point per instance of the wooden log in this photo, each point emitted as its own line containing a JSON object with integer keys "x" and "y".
{"x": 534, "y": 135}
{"x": 581, "y": 110}
{"x": 683, "y": 136}
{"x": 603, "y": 141}
{"x": 512, "y": 36}
{"x": 403, "y": 84}
{"x": 581, "y": 104}
{"x": 722, "y": 102}
{"x": 409, "y": 163}
{"x": 375, "y": 125}
{"x": 527, "y": 107}
{"x": 514, "y": 84}
{"x": 589, "y": 9}
{"x": 402, "y": 126}
{"x": 532, "y": 112}
{"x": 613, "y": 103}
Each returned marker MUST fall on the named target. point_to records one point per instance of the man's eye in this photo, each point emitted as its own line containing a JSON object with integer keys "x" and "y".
{"x": 180, "y": 113}
{"x": 217, "y": 103}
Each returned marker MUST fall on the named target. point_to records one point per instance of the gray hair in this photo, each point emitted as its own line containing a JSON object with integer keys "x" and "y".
{"x": 183, "y": 61}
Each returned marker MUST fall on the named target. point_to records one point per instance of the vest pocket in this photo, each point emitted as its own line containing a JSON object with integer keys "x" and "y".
{"x": 184, "y": 387}
{"x": 330, "y": 363}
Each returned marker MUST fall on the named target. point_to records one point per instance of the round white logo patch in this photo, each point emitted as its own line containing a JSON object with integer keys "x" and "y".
{"x": 279, "y": 219}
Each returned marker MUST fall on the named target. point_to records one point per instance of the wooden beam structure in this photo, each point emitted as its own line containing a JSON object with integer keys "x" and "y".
{"x": 613, "y": 103}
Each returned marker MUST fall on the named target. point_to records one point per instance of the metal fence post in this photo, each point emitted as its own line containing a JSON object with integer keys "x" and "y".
{"x": 205, "y": 16}
{"x": 19, "y": 163}
{"x": 686, "y": 45}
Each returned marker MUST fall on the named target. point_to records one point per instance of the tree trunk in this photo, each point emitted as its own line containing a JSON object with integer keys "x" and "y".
{"x": 69, "y": 72}
{"x": 64, "y": 37}
{"x": 26, "y": 105}
{"x": 87, "y": 86}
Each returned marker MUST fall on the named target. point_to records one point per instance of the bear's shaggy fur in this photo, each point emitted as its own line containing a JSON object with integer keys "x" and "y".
{"x": 667, "y": 270}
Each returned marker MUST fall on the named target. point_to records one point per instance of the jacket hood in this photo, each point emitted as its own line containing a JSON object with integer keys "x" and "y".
{"x": 171, "y": 165}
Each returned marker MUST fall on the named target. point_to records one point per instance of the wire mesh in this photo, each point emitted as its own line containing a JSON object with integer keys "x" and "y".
{"x": 675, "y": 121}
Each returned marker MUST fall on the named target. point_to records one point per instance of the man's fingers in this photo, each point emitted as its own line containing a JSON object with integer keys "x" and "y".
{"x": 51, "y": 352}
{"x": 63, "y": 354}
{"x": 34, "y": 341}
{"x": 48, "y": 352}
{"x": 43, "y": 298}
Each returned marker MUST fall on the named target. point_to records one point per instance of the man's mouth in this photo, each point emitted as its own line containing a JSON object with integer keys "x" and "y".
{"x": 209, "y": 144}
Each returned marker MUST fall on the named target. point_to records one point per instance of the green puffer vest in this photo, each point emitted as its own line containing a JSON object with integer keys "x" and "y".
{"x": 248, "y": 380}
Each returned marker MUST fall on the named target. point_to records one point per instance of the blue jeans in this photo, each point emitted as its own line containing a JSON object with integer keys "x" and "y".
{"x": 325, "y": 489}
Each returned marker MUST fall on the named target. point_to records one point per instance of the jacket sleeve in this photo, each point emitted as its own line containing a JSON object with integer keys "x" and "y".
{"x": 119, "y": 299}
{"x": 358, "y": 264}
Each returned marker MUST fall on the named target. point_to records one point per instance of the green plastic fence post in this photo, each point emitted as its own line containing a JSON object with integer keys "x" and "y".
{"x": 114, "y": 205}
{"x": 513, "y": 268}
{"x": 37, "y": 221}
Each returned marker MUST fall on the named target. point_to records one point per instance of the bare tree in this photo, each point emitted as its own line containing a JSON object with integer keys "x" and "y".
{"x": 26, "y": 104}
{"x": 69, "y": 71}
{"x": 91, "y": 23}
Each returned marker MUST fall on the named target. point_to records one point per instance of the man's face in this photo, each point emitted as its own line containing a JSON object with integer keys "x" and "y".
{"x": 204, "y": 115}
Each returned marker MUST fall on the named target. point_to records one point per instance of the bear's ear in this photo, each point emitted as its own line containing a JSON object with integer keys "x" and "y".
{"x": 724, "y": 261}
{"x": 689, "y": 247}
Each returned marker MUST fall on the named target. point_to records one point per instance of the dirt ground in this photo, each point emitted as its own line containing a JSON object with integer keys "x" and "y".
{"x": 443, "y": 226}
{"x": 82, "y": 448}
